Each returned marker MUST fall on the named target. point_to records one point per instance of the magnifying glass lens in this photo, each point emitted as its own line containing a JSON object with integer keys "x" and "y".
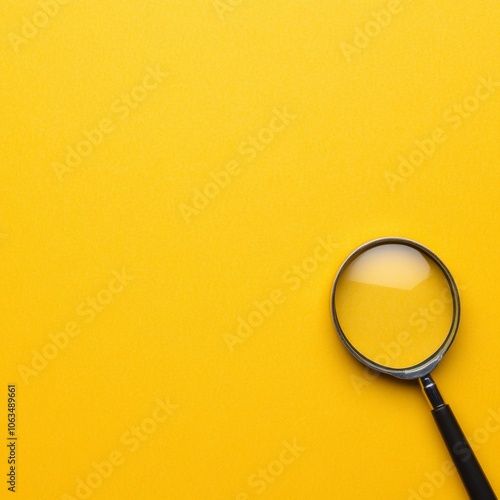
{"x": 394, "y": 305}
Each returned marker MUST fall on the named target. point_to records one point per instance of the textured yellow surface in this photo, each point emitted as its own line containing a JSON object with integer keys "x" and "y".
{"x": 180, "y": 182}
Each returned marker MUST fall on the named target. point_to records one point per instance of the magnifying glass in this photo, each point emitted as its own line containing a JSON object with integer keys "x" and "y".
{"x": 396, "y": 308}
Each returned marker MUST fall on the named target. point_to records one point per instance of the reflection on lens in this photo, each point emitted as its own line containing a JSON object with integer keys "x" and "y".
{"x": 394, "y": 305}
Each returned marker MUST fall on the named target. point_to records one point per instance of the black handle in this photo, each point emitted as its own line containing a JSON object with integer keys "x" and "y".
{"x": 465, "y": 461}
{"x": 468, "y": 467}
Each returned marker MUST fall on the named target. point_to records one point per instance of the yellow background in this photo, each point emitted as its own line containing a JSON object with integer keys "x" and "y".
{"x": 324, "y": 175}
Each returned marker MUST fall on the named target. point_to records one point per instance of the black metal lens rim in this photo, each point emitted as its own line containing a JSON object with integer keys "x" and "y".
{"x": 428, "y": 364}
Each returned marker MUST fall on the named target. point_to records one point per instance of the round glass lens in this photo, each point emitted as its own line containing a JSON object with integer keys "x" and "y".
{"x": 394, "y": 305}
